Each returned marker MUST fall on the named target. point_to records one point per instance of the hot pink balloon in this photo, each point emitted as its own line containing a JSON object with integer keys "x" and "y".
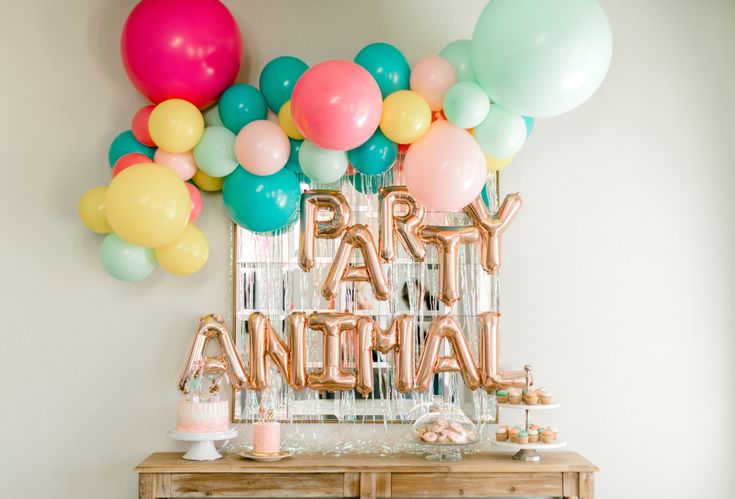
{"x": 185, "y": 49}
{"x": 196, "y": 202}
{"x": 129, "y": 159}
{"x": 336, "y": 105}
{"x": 262, "y": 148}
{"x": 140, "y": 125}
{"x": 445, "y": 169}
{"x": 431, "y": 77}
{"x": 182, "y": 164}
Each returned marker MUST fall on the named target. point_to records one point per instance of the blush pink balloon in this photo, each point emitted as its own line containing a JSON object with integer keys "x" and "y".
{"x": 196, "y": 201}
{"x": 431, "y": 77}
{"x": 182, "y": 164}
{"x": 184, "y": 49}
{"x": 262, "y": 148}
{"x": 336, "y": 105}
{"x": 445, "y": 169}
{"x": 129, "y": 159}
{"x": 140, "y": 126}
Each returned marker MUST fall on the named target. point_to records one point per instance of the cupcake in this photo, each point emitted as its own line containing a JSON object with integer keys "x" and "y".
{"x": 501, "y": 396}
{"x": 456, "y": 427}
{"x": 429, "y": 437}
{"x": 555, "y": 431}
{"x": 530, "y": 398}
{"x": 501, "y": 434}
{"x": 514, "y": 397}
{"x": 523, "y": 437}
{"x": 545, "y": 397}
{"x": 532, "y": 436}
{"x": 513, "y": 433}
{"x": 547, "y": 436}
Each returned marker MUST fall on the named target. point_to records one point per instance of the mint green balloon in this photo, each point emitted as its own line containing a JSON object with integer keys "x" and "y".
{"x": 322, "y": 165}
{"x": 466, "y": 104}
{"x": 211, "y": 117}
{"x": 125, "y": 261}
{"x": 502, "y": 134}
{"x": 459, "y": 54}
{"x": 215, "y": 152}
{"x": 541, "y": 57}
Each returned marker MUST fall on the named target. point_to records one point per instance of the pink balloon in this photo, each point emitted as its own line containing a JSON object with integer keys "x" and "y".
{"x": 445, "y": 169}
{"x": 129, "y": 159}
{"x": 336, "y": 105}
{"x": 196, "y": 202}
{"x": 140, "y": 126}
{"x": 182, "y": 164}
{"x": 262, "y": 148}
{"x": 431, "y": 77}
{"x": 185, "y": 49}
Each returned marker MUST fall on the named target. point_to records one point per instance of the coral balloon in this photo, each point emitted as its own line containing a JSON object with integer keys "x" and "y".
{"x": 406, "y": 117}
{"x": 187, "y": 254}
{"x": 501, "y": 134}
{"x": 147, "y": 205}
{"x": 127, "y": 160}
{"x": 336, "y": 105}
{"x": 445, "y": 170}
{"x": 285, "y": 121}
{"x": 208, "y": 183}
{"x": 188, "y": 49}
{"x": 215, "y": 152}
{"x": 182, "y": 164}
{"x": 431, "y": 77}
{"x": 92, "y": 210}
{"x": 139, "y": 126}
{"x": 126, "y": 261}
{"x": 196, "y": 201}
{"x": 176, "y": 125}
{"x": 262, "y": 148}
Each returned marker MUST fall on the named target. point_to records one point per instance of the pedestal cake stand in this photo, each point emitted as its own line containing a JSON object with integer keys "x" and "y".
{"x": 202, "y": 444}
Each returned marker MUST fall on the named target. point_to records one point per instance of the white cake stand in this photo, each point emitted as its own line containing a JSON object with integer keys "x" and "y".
{"x": 202, "y": 444}
{"x": 528, "y": 452}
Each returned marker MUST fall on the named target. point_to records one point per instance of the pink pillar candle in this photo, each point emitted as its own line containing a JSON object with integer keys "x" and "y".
{"x": 267, "y": 437}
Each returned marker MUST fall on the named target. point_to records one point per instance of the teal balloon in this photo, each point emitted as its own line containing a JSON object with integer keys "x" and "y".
{"x": 211, "y": 117}
{"x": 322, "y": 165}
{"x": 375, "y": 156}
{"x": 466, "y": 104}
{"x": 125, "y": 261}
{"x": 458, "y": 53}
{"x": 215, "y": 152}
{"x": 502, "y": 134}
{"x": 388, "y": 66}
{"x": 278, "y": 79}
{"x": 241, "y": 104}
{"x": 530, "y": 122}
{"x": 541, "y": 57}
{"x": 370, "y": 184}
{"x": 262, "y": 204}
{"x": 125, "y": 143}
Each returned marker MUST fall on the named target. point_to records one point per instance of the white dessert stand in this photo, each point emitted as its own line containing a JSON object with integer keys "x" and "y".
{"x": 202, "y": 444}
{"x": 528, "y": 452}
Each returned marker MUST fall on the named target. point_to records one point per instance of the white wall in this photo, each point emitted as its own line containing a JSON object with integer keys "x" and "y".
{"x": 618, "y": 280}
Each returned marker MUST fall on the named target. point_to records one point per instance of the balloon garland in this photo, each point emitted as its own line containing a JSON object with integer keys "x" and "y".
{"x": 455, "y": 115}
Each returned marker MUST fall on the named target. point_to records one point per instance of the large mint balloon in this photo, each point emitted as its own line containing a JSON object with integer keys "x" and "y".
{"x": 541, "y": 57}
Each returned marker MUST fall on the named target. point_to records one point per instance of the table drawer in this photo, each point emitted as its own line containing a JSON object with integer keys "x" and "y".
{"x": 475, "y": 484}
{"x": 257, "y": 485}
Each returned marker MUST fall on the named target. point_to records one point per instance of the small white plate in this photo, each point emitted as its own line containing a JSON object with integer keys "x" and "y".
{"x": 266, "y": 458}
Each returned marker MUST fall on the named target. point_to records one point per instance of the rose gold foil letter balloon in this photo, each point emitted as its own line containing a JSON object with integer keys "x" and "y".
{"x": 213, "y": 327}
{"x": 447, "y": 241}
{"x": 265, "y": 342}
{"x": 492, "y": 227}
{"x": 446, "y": 327}
{"x": 493, "y": 378}
{"x": 331, "y": 376}
{"x": 407, "y": 226}
{"x": 311, "y": 229}
{"x": 398, "y": 337}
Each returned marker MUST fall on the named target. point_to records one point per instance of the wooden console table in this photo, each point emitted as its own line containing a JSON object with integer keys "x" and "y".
{"x": 564, "y": 474}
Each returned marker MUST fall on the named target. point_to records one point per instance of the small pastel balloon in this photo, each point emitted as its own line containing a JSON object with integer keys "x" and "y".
{"x": 176, "y": 125}
{"x": 293, "y": 156}
{"x": 502, "y": 134}
{"x": 387, "y": 65}
{"x": 278, "y": 78}
{"x": 127, "y": 160}
{"x": 182, "y": 164}
{"x": 126, "y": 261}
{"x": 215, "y": 152}
{"x": 147, "y": 205}
{"x": 185, "y": 255}
{"x": 262, "y": 148}
{"x": 140, "y": 125}
{"x": 466, "y": 104}
{"x": 262, "y": 204}
{"x": 406, "y": 117}
{"x": 322, "y": 165}
{"x": 196, "y": 202}
{"x": 431, "y": 77}
{"x": 445, "y": 170}
{"x": 91, "y": 210}
{"x": 208, "y": 183}
{"x": 241, "y": 104}
{"x": 458, "y": 53}
{"x": 285, "y": 121}
{"x": 126, "y": 143}
{"x": 375, "y": 156}
{"x": 496, "y": 164}
{"x": 530, "y": 122}
{"x": 211, "y": 117}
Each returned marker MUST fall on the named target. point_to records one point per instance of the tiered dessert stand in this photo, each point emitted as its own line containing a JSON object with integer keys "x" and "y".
{"x": 202, "y": 444}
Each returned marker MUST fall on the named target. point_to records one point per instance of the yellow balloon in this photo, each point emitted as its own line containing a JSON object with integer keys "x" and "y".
{"x": 147, "y": 205}
{"x": 496, "y": 164}
{"x": 186, "y": 254}
{"x": 92, "y": 210}
{"x": 406, "y": 117}
{"x": 176, "y": 125}
{"x": 285, "y": 121}
{"x": 207, "y": 183}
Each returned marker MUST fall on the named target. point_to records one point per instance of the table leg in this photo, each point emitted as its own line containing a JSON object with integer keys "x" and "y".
{"x": 586, "y": 486}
